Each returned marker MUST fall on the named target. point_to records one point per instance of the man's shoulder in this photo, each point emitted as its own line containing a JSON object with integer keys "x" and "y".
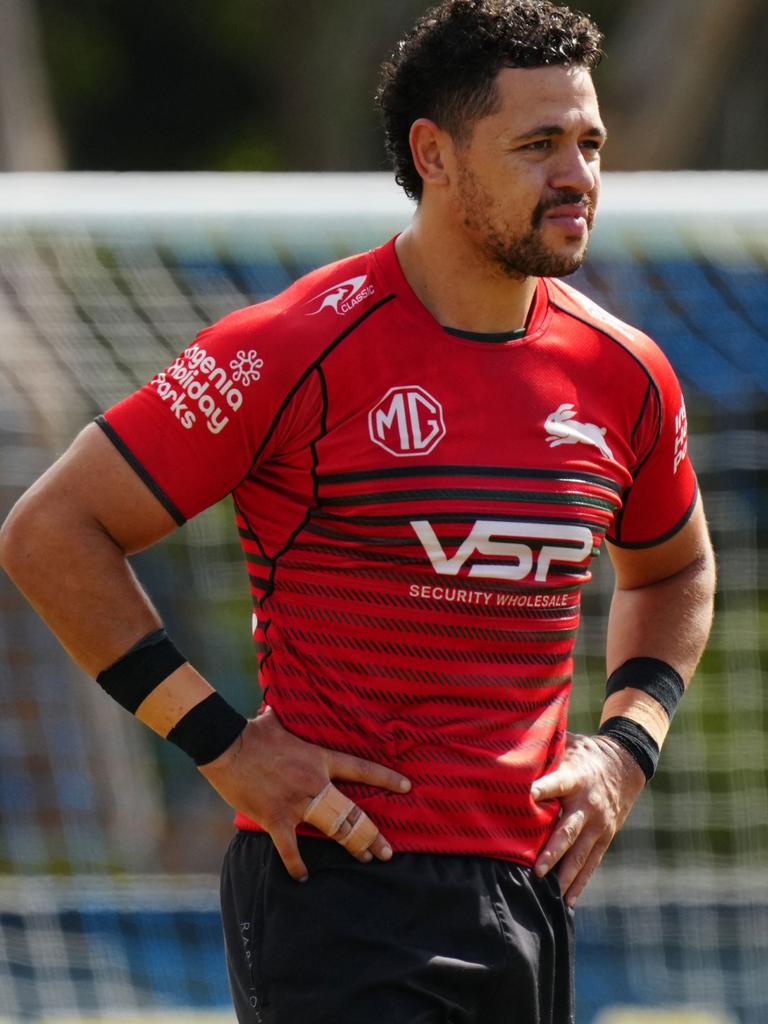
{"x": 570, "y": 300}
{"x": 587, "y": 314}
{"x": 311, "y": 311}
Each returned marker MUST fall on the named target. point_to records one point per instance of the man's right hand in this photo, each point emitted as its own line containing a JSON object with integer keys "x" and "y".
{"x": 279, "y": 780}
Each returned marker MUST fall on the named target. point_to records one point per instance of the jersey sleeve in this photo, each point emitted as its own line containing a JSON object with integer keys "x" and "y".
{"x": 663, "y": 491}
{"x": 197, "y": 429}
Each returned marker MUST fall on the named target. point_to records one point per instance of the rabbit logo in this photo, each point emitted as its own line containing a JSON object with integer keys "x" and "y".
{"x": 563, "y": 428}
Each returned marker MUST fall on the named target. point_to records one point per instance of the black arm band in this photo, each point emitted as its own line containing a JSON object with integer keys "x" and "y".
{"x": 635, "y": 739}
{"x": 207, "y": 729}
{"x": 141, "y": 669}
{"x": 654, "y": 677}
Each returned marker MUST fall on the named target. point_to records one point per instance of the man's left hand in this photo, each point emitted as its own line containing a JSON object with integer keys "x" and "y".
{"x": 596, "y": 783}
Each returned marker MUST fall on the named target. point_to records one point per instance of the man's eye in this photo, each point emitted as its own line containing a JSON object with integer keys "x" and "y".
{"x": 593, "y": 144}
{"x": 539, "y": 144}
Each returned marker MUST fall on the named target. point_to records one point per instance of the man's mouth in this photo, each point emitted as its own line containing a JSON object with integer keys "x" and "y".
{"x": 573, "y": 218}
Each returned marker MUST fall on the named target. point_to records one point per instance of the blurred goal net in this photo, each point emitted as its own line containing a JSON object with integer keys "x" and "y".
{"x": 102, "y": 280}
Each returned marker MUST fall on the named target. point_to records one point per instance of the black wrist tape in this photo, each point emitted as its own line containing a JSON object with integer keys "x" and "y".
{"x": 207, "y": 729}
{"x": 635, "y": 739}
{"x": 654, "y": 677}
{"x": 141, "y": 669}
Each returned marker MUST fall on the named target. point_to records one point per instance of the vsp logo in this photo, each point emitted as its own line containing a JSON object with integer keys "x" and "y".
{"x": 343, "y": 297}
{"x": 576, "y": 544}
{"x": 407, "y": 421}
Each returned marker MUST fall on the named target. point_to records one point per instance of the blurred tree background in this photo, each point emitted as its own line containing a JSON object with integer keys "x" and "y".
{"x": 288, "y": 84}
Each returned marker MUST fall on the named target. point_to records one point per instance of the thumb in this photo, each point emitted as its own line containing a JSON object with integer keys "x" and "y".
{"x": 556, "y": 784}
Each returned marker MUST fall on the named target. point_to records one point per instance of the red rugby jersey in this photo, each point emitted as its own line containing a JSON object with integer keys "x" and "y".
{"x": 418, "y": 512}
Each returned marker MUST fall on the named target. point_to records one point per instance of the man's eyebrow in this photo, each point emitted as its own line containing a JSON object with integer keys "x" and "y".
{"x": 596, "y": 131}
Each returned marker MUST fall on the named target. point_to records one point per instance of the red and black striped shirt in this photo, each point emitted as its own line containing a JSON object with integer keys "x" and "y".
{"x": 418, "y": 511}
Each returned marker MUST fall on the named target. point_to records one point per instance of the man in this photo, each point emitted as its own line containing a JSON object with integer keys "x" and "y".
{"x": 426, "y": 444}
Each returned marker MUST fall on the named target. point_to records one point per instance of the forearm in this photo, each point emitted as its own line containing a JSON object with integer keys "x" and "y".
{"x": 88, "y": 595}
{"x": 668, "y": 620}
{"x": 79, "y": 581}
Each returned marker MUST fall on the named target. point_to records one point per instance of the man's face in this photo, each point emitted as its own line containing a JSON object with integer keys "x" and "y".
{"x": 527, "y": 177}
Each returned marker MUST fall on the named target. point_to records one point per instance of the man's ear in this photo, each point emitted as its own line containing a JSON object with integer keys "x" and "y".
{"x": 429, "y": 148}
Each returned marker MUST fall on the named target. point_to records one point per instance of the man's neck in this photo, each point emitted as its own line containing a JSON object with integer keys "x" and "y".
{"x": 460, "y": 289}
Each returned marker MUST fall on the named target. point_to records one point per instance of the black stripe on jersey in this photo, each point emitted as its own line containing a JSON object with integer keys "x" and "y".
{"x": 250, "y": 556}
{"x": 620, "y": 515}
{"x": 456, "y": 494}
{"x": 417, "y": 576}
{"x": 323, "y": 426}
{"x": 323, "y": 432}
{"x": 257, "y": 583}
{"x": 139, "y": 469}
{"x": 665, "y": 536}
{"x": 391, "y": 559}
{"x": 566, "y": 569}
{"x": 598, "y": 529}
{"x": 364, "y": 554}
{"x": 302, "y": 379}
{"x": 251, "y": 533}
{"x": 490, "y": 471}
{"x": 639, "y": 420}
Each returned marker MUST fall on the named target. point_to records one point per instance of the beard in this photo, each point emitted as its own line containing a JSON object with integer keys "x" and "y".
{"x": 523, "y": 254}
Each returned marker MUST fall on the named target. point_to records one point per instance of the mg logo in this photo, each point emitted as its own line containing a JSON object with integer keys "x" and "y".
{"x": 407, "y": 421}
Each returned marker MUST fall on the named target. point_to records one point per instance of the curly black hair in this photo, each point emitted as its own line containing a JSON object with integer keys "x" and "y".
{"x": 445, "y": 68}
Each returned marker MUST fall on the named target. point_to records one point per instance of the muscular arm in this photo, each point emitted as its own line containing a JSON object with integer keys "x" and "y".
{"x": 661, "y": 608}
{"x": 660, "y": 614}
{"x": 65, "y": 545}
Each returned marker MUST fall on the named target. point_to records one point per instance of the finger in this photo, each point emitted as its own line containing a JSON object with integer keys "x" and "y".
{"x": 353, "y": 842}
{"x": 359, "y": 835}
{"x": 358, "y": 769}
{"x": 328, "y": 810}
{"x": 380, "y": 848}
{"x": 288, "y": 849}
{"x": 560, "y": 842}
{"x": 339, "y": 818}
{"x": 557, "y": 784}
{"x": 573, "y": 889}
{"x": 573, "y": 860}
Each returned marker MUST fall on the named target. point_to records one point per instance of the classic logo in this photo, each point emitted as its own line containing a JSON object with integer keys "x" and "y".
{"x": 518, "y": 557}
{"x": 563, "y": 428}
{"x": 407, "y": 421}
{"x": 343, "y": 297}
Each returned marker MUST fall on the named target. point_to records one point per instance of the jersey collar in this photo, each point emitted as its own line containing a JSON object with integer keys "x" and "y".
{"x": 538, "y": 318}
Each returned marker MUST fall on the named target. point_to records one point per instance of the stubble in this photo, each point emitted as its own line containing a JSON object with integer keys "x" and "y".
{"x": 522, "y": 254}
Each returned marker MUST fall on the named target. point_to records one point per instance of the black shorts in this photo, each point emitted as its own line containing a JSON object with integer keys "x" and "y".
{"x": 421, "y": 939}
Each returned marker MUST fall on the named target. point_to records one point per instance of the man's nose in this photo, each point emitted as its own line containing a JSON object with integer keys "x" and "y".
{"x": 575, "y": 172}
